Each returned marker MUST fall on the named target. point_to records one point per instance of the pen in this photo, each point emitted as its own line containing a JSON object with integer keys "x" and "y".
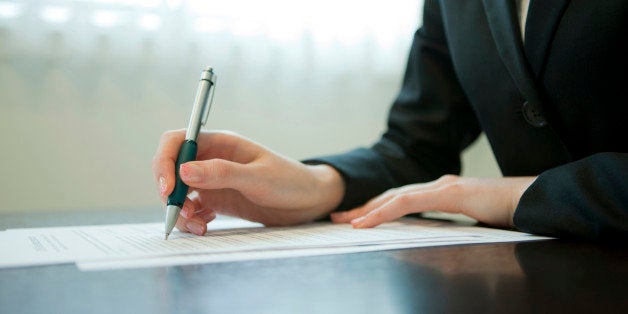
{"x": 187, "y": 152}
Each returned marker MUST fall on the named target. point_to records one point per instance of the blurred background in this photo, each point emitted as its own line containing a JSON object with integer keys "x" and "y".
{"x": 87, "y": 87}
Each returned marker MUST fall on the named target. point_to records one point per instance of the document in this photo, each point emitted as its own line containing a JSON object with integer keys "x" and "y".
{"x": 143, "y": 245}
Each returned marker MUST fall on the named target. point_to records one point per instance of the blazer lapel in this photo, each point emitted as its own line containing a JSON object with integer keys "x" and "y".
{"x": 543, "y": 19}
{"x": 502, "y": 20}
{"x": 504, "y": 25}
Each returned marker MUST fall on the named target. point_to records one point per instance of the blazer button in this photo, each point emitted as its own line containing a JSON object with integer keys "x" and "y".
{"x": 533, "y": 115}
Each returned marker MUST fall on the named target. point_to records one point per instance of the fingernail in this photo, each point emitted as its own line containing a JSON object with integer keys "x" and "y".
{"x": 190, "y": 172}
{"x": 195, "y": 227}
{"x": 162, "y": 186}
{"x": 358, "y": 220}
{"x": 186, "y": 212}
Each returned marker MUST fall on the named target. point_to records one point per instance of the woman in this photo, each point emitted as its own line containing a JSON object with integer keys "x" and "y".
{"x": 546, "y": 88}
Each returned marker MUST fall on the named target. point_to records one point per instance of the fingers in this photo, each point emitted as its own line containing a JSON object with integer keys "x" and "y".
{"x": 164, "y": 161}
{"x": 227, "y": 145}
{"x": 216, "y": 174}
{"x": 194, "y": 217}
{"x": 348, "y": 216}
{"x": 394, "y": 208}
{"x": 211, "y": 145}
{"x": 443, "y": 195}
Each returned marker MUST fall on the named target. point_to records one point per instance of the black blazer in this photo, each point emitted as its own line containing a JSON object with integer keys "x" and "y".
{"x": 554, "y": 106}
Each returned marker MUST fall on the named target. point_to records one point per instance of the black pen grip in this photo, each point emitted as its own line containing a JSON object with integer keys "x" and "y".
{"x": 186, "y": 153}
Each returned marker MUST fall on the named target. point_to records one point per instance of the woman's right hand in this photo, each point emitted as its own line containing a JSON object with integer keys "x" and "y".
{"x": 237, "y": 177}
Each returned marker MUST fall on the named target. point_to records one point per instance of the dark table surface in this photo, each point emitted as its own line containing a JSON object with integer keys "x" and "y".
{"x": 552, "y": 276}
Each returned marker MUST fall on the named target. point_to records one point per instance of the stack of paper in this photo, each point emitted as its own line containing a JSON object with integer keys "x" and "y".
{"x": 143, "y": 245}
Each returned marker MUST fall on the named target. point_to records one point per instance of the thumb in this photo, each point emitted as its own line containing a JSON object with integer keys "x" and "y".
{"x": 213, "y": 174}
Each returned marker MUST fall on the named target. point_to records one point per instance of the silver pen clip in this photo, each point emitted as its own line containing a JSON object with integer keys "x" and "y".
{"x": 202, "y": 103}
{"x": 208, "y": 75}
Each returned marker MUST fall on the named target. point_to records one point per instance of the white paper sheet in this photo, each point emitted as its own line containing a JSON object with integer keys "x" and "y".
{"x": 142, "y": 245}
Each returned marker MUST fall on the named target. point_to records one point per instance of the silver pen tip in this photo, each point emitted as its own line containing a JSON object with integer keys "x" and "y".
{"x": 167, "y": 234}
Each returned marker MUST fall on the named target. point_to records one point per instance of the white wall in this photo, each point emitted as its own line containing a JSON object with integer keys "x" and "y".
{"x": 84, "y": 96}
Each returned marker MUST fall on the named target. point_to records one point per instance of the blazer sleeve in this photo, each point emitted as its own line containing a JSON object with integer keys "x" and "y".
{"x": 586, "y": 199}
{"x": 429, "y": 124}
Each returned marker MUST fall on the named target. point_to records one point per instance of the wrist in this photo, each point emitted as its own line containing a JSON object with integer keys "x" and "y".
{"x": 330, "y": 187}
{"x": 525, "y": 183}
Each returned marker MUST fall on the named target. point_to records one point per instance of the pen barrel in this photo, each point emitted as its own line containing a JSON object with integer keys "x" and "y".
{"x": 186, "y": 153}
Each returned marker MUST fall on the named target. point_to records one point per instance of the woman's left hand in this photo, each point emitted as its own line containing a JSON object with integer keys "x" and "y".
{"x": 489, "y": 200}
